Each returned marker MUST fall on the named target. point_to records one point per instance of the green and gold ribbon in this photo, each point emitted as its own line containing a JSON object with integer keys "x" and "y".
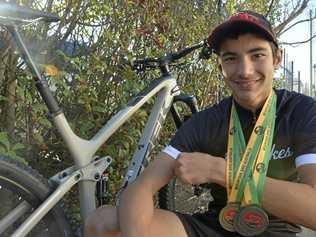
{"x": 247, "y": 165}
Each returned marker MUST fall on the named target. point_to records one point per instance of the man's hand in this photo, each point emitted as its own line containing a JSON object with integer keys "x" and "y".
{"x": 198, "y": 168}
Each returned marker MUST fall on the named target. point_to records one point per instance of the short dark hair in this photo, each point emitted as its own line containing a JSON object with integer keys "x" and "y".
{"x": 235, "y": 33}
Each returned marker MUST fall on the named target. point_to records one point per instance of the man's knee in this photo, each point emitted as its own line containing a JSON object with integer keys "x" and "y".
{"x": 102, "y": 222}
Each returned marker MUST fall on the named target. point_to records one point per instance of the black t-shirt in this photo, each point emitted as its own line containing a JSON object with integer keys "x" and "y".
{"x": 294, "y": 141}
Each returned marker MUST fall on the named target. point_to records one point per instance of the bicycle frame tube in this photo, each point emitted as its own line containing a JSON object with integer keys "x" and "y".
{"x": 83, "y": 150}
{"x": 46, "y": 206}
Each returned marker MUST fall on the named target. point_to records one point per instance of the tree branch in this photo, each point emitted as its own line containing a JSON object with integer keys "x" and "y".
{"x": 270, "y": 8}
{"x": 298, "y": 9}
{"x": 221, "y": 9}
{"x": 93, "y": 25}
{"x": 298, "y": 22}
{"x": 45, "y": 25}
{"x": 299, "y": 42}
{"x": 64, "y": 21}
{"x": 72, "y": 21}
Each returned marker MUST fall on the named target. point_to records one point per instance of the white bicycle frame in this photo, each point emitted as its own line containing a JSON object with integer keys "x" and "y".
{"x": 87, "y": 169}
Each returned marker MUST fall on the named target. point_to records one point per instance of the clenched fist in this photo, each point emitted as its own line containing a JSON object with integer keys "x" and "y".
{"x": 198, "y": 168}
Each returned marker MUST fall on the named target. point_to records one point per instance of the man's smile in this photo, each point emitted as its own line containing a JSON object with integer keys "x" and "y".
{"x": 245, "y": 83}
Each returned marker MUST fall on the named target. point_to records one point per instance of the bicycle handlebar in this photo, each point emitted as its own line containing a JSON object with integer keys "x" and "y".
{"x": 182, "y": 53}
{"x": 152, "y": 62}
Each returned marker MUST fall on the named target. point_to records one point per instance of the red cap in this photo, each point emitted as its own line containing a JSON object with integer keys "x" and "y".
{"x": 242, "y": 21}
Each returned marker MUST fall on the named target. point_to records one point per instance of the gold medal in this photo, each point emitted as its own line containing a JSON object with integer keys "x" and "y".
{"x": 251, "y": 220}
{"x": 227, "y": 216}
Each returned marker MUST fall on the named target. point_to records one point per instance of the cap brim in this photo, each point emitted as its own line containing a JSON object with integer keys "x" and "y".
{"x": 222, "y": 30}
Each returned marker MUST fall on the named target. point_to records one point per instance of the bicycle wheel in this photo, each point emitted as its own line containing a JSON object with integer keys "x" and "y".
{"x": 179, "y": 197}
{"x": 21, "y": 190}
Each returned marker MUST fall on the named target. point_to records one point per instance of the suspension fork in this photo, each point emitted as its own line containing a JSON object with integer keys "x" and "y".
{"x": 188, "y": 100}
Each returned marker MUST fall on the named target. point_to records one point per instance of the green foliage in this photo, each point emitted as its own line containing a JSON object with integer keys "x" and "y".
{"x": 10, "y": 150}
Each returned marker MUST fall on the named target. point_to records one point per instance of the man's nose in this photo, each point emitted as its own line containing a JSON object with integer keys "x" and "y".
{"x": 245, "y": 68}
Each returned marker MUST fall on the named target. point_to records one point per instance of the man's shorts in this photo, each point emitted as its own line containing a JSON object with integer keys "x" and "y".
{"x": 207, "y": 225}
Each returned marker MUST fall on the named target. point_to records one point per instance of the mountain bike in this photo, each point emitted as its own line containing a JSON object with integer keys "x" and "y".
{"x": 30, "y": 204}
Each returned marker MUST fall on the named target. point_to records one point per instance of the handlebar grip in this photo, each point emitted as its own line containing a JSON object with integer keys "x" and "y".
{"x": 185, "y": 51}
{"x": 50, "y": 17}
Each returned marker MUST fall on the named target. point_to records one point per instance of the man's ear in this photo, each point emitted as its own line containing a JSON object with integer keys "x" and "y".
{"x": 220, "y": 68}
{"x": 219, "y": 65}
{"x": 278, "y": 58}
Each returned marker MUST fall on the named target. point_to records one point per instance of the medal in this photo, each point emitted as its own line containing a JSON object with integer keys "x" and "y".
{"x": 227, "y": 216}
{"x": 246, "y": 170}
{"x": 251, "y": 221}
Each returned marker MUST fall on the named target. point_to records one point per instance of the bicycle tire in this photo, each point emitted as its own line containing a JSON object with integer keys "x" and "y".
{"x": 179, "y": 197}
{"x": 18, "y": 183}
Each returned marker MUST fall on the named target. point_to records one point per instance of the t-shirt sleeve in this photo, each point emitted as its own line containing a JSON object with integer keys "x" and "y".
{"x": 204, "y": 132}
{"x": 304, "y": 136}
{"x": 188, "y": 136}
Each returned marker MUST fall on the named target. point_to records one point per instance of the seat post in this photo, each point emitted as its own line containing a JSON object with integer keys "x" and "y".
{"x": 41, "y": 83}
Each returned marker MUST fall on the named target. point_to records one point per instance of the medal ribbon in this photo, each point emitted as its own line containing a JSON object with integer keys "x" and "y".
{"x": 247, "y": 165}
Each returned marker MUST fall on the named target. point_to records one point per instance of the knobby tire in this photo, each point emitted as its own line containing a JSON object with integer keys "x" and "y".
{"x": 19, "y": 182}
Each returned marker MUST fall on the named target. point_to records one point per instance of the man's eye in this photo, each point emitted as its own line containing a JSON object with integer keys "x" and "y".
{"x": 258, "y": 55}
{"x": 229, "y": 59}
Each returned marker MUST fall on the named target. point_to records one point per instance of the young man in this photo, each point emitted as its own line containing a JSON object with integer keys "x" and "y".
{"x": 204, "y": 151}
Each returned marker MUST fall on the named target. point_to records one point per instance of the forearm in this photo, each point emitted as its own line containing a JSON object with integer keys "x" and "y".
{"x": 293, "y": 202}
{"x": 136, "y": 204}
{"x": 135, "y": 211}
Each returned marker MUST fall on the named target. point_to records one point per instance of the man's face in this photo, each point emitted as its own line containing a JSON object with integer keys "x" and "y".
{"x": 248, "y": 66}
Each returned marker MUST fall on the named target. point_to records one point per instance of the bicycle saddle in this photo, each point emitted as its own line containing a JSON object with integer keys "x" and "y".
{"x": 14, "y": 13}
